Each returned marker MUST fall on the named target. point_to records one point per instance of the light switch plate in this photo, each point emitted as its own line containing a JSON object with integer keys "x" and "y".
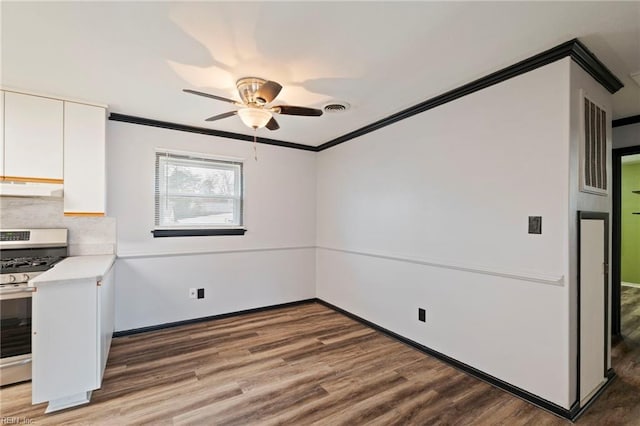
{"x": 535, "y": 224}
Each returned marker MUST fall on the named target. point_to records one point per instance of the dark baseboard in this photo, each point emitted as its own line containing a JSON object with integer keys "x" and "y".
{"x": 611, "y": 376}
{"x": 571, "y": 414}
{"x": 210, "y": 318}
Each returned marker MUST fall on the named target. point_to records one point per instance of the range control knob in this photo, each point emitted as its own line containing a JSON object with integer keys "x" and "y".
{"x": 12, "y": 278}
{"x": 25, "y": 277}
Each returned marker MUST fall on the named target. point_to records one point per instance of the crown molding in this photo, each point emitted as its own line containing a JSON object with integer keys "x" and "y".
{"x": 626, "y": 121}
{"x": 572, "y": 48}
{"x": 205, "y": 131}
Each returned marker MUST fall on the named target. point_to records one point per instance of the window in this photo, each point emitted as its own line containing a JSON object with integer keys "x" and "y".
{"x": 197, "y": 196}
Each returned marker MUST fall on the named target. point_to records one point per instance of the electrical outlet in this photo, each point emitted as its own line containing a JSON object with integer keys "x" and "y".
{"x": 193, "y": 293}
{"x": 201, "y": 293}
{"x": 422, "y": 315}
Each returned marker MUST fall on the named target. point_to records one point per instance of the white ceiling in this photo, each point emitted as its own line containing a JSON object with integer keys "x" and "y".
{"x": 380, "y": 57}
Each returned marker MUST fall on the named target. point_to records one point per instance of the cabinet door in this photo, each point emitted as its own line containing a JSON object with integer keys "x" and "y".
{"x": 106, "y": 297}
{"x": 33, "y": 138}
{"x": 64, "y": 352}
{"x": 84, "y": 160}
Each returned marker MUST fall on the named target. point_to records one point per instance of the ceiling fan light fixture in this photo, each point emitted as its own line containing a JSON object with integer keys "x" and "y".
{"x": 255, "y": 118}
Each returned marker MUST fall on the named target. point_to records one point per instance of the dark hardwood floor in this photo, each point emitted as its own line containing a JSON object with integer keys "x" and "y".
{"x": 310, "y": 365}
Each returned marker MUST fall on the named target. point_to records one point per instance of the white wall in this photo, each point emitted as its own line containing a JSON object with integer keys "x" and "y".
{"x": 626, "y": 136}
{"x": 581, "y": 82}
{"x": 432, "y": 212}
{"x": 274, "y": 262}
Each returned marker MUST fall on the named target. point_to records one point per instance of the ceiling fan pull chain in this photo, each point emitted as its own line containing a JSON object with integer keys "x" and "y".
{"x": 255, "y": 144}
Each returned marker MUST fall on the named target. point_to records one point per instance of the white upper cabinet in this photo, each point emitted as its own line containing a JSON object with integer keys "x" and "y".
{"x": 33, "y": 135}
{"x": 84, "y": 159}
{"x": 55, "y": 141}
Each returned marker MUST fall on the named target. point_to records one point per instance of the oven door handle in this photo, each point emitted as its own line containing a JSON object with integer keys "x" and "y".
{"x": 18, "y": 290}
{"x": 16, "y": 363}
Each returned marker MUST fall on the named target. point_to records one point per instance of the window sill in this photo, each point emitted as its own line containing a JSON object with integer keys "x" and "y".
{"x": 196, "y": 232}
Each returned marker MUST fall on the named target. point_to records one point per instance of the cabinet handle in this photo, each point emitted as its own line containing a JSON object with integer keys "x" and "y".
{"x": 19, "y": 290}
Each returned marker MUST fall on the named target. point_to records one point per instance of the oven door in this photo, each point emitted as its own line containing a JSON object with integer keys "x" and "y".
{"x": 15, "y": 334}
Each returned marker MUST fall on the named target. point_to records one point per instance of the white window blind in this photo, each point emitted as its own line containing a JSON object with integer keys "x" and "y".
{"x": 197, "y": 192}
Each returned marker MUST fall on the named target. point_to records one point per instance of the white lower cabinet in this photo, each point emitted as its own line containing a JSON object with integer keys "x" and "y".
{"x": 73, "y": 322}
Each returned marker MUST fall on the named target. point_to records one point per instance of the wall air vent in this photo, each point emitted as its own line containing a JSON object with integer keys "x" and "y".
{"x": 593, "y": 152}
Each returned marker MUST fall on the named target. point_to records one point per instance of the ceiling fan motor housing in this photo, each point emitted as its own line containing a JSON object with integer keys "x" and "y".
{"x": 248, "y": 87}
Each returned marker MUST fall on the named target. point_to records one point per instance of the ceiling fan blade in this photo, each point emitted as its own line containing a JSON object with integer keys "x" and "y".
{"x": 221, "y": 116}
{"x": 296, "y": 110}
{"x": 268, "y": 92}
{"x": 207, "y": 95}
{"x": 272, "y": 124}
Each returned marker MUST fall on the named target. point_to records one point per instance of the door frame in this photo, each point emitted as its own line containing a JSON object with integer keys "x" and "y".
{"x": 616, "y": 235}
{"x": 604, "y": 217}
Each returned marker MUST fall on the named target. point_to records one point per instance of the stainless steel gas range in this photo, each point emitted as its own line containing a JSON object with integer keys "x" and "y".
{"x": 24, "y": 254}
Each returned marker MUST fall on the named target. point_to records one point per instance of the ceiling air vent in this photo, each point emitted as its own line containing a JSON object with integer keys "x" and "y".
{"x": 336, "y": 107}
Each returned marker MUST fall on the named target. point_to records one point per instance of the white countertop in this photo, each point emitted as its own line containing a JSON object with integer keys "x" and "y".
{"x": 76, "y": 268}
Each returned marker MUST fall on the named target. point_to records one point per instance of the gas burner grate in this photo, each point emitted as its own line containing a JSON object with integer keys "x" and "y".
{"x": 26, "y": 261}
{"x": 28, "y": 264}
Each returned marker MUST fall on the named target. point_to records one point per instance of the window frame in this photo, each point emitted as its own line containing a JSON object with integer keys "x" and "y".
{"x": 198, "y": 230}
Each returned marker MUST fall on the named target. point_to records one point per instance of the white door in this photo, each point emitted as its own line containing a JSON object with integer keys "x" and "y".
{"x": 593, "y": 286}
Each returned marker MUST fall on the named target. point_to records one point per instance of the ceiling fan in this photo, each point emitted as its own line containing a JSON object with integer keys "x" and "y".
{"x": 256, "y": 93}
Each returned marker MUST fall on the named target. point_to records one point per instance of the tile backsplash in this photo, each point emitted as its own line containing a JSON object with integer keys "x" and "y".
{"x": 87, "y": 235}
